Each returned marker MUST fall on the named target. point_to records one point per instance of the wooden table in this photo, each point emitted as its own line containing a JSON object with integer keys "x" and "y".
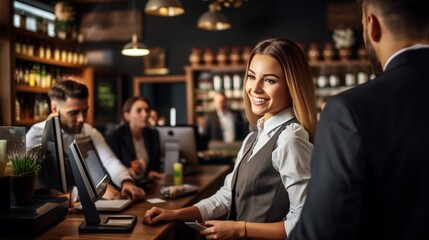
{"x": 207, "y": 177}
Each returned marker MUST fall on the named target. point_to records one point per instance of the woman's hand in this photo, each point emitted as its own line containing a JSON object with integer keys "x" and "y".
{"x": 224, "y": 230}
{"x": 155, "y": 215}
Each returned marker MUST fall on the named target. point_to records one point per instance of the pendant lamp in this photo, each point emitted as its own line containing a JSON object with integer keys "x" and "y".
{"x": 213, "y": 20}
{"x": 164, "y": 8}
{"x": 134, "y": 48}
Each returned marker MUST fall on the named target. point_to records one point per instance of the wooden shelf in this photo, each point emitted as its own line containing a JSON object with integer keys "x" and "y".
{"x": 44, "y": 37}
{"x": 48, "y": 61}
{"x": 27, "y": 89}
{"x": 329, "y": 91}
{"x": 201, "y": 97}
{"x": 217, "y": 68}
{"x": 27, "y": 122}
{"x": 339, "y": 63}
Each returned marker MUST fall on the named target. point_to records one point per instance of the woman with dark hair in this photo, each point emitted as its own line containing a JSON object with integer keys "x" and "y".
{"x": 264, "y": 194}
{"x": 135, "y": 143}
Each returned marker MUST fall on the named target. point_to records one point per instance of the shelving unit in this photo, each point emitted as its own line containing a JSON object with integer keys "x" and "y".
{"x": 28, "y": 75}
{"x": 200, "y": 83}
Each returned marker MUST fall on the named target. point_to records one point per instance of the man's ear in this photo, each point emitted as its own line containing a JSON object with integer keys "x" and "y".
{"x": 54, "y": 106}
{"x": 374, "y": 28}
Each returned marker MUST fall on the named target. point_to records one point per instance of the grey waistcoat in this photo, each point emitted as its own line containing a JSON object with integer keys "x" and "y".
{"x": 258, "y": 193}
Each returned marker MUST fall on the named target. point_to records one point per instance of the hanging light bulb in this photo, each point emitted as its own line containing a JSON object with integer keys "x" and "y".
{"x": 213, "y": 20}
{"x": 134, "y": 48}
{"x": 164, "y": 8}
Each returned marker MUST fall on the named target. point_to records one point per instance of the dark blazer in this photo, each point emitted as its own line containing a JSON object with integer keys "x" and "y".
{"x": 370, "y": 165}
{"x": 121, "y": 142}
{"x": 213, "y": 131}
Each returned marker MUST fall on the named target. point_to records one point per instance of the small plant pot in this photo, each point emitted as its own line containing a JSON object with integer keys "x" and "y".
{"x": 23, "y": 188}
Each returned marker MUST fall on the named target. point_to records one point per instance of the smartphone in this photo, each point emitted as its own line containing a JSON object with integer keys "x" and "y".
{"x": 196, "y": 226}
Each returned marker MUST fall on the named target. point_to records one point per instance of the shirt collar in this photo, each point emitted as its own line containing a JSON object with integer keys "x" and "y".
{"x": 275, "y": 121}
{"x": 413, "y": 47}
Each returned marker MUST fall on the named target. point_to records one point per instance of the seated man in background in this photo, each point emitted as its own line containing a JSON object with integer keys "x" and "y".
{"x": 69, "y": 99}
{"x": 224, "y": 124}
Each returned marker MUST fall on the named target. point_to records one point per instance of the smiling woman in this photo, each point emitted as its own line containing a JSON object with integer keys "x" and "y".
{"x": 266, "y": 186}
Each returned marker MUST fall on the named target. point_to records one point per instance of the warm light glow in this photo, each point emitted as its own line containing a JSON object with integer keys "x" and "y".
{"x": 213, "y": 21}
{"x": 134, "y": 48}
{"x": 165, "y": 8}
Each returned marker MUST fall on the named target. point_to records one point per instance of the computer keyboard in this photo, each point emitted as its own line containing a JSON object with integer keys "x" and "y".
{"x": 115, "y": 205}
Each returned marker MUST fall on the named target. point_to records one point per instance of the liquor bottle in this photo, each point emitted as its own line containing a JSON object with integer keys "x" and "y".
{"x": 57, "y": 54}
{"x": 17, "y": 110}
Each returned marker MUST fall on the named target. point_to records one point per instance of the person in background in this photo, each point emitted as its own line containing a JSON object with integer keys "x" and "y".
{"x": 153, "y": 117}
{"x": 135, "y": 142}
{"x": 224, "y": 124}
{"x": 264, "y": 193}
{"x": 370, "y": 168}
{"x": 69, "y": 100}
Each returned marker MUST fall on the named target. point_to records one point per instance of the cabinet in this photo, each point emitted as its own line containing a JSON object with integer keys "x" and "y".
{"x": 329, "y": 78}
{"x": 204, "y": 81}
{"x": 32, "y": 61}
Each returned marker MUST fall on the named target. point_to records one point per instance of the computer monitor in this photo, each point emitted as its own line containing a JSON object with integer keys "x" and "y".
{"x": 91, "y": 180}
{"x": 181, "y": 139}
{"x": 55, "y": 172}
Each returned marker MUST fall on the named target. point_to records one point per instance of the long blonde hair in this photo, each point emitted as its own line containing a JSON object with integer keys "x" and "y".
{"x": 298, "y": 79}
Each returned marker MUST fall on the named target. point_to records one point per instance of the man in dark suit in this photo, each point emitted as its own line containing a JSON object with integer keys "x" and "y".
{"x": 370, "y": 165}
{"x": 224, "y": 124}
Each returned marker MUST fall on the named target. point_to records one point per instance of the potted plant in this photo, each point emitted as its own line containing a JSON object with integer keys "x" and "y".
{"x": 25, "y": 167}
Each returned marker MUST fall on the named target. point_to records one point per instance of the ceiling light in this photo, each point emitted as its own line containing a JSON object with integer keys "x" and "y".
{"x": 164, "y": 8}
{"x": 134, "y": 48}
{"x": 213, "y": 20}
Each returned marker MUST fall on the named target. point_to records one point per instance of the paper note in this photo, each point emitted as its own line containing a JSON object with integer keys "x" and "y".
{"x": 155, "y": 200}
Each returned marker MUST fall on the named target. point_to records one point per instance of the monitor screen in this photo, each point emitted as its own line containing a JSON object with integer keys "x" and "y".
{"x": 185, "y": 137}
{"x": 88, "y": 166}
{"x": 55, "y": 173}
{"x": 91, "y": 180}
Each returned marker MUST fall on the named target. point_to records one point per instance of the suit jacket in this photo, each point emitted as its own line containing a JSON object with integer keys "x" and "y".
{"x": 213, "y": 130}
{"x": 370, "y": 165}
{"x": 121, "y": 142}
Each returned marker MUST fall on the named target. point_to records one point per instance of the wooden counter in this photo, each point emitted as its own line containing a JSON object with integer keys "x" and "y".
{"x": 207, "y": 177}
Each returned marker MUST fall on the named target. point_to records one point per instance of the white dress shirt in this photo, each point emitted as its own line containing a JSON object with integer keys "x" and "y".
{"x": 291, "y": 157}
{"x": 227, "y": 124}
{"x": 117, "y": 171}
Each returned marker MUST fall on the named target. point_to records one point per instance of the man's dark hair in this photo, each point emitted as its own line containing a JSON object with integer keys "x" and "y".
{"x": 405, "y": 18}
{"x": 68, "y": 88}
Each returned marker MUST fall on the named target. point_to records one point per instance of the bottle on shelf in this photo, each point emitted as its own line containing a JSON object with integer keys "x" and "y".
{"x": 362, "y": 77}
{"x": 322, "y": 80}
{"x": 234, "y": 56}
{"x": 30, "y": 48}
{"x": 334, "y": 80}
{"x": 41, "y": 51}
{"x": 217, "y": 82}
{"x": 26, "y": 77}
{"x": 349, "y": 78}
{"x": 36, "y": 114}
{"x": 227, "y": 85}
{"x": 31, "y": 78}
{"x": 195, "y": 56}
{"x": 17, "y": 110}
{"x": 48, "y": 54}
{"x": 63, "y": 55}
{"x": 236, "y": 82}
{"x": 57, "y": 54}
